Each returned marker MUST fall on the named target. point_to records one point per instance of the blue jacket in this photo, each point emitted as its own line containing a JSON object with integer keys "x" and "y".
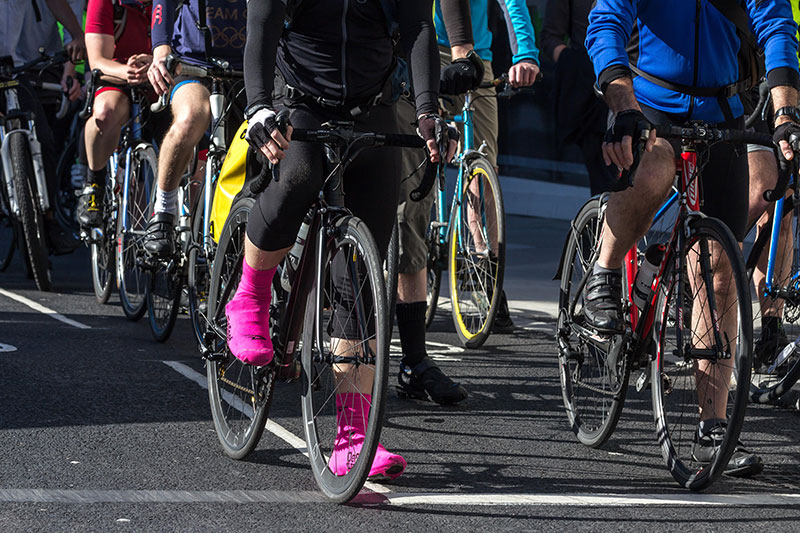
{"x": 518, "y": 21}
{"x": 226, "y": 18}
{"x": 689, "y": 42}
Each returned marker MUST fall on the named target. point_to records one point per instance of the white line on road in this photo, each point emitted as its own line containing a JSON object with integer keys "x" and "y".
{"x": 45, "y": 310}
{"x": 272, "y": 426}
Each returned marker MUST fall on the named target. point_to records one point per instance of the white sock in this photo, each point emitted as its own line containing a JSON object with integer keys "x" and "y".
{"x": 167, "y": 201}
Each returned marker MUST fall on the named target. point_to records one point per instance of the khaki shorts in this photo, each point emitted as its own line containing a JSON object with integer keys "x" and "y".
{"x": 414, "y": 217}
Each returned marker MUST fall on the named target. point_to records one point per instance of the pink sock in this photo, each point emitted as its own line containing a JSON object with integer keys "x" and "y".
{"x": 248, "y": 317}
{"x": 352, "y": 411}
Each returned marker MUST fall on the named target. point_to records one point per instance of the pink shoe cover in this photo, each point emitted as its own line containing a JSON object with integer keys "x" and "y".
{"x": 248, "y": 317}
{"x": 352, "y": 413}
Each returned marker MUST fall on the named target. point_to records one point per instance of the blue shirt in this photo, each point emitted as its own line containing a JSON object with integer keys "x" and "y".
{"x": 669, "y": 40}
{"x": 518, "y": 22}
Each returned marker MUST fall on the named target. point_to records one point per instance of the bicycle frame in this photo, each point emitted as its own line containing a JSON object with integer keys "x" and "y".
{"x": 770, "y": 289}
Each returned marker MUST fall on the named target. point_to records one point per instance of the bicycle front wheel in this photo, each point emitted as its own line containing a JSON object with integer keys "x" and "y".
{"x": 240, "y": 394}
{"x": 594, "y": 373}
{"x": 30, "y": 218}
{"x": 103, "y": 250}
{"x": 8, "y": 229}
{"x": 390, "y": 271}
{"x": 477, "y": 253}
{"x": 776, "y": 315}
{"x": 345, "y": 359}
{"x": 701, "y": 375}
{"x": 131, "y": 227}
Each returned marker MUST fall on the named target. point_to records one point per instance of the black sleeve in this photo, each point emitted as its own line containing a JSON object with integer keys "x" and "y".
{"x": 555, "y": 27}
{"x": 264, "y": 26}
{"x": 457, "y": 21}
{"x": 418, "y": 38}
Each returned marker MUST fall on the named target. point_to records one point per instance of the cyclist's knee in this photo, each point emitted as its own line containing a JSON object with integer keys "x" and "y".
{"x": 191, "y": 121}
{"x": 110, "y": 112}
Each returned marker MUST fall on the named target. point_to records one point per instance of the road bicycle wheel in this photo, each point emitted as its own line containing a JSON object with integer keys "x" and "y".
{"x": 166, "y": 286}
{"x": 103, "y": 250}
{"x": 66, "y": 201}
{"x": 30, "y": 219}
{"x": 240, "y": 394}
{"x": 703, "y": 331}
{"x": 198, "y": 275}
{"x": 477, "y": 253}
{"x": 345, "y": 359}
{"x": 8, "y": 229}
{"x": 594, "y": 372}
{"x": 435, "y": 264}
{"x": 390, "y": 271}
{"x": 776, "y": 365}
{"x": 131, "y": 225}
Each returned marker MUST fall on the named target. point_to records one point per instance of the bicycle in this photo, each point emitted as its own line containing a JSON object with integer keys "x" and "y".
{"x": 301, "y": 321}
{"x": 24, "y": 198}
{"x": 194, "y": 246}
{"x": 118, "y": 245}
{"x": 469, "y": 242}
{"x": 675, "y": 335}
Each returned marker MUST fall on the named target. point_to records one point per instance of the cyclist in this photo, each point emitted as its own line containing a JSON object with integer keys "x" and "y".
{"x": 117, "y": 43}
{"x": 214, "y": 35}
{"x": 465, "y": 58}
{"x": 27, "y": 28}
{"x": 332, "y": 62}
{"x": 671, "y": 87}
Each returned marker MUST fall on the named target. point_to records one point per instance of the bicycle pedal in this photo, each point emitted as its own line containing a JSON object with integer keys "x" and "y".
{"x": 643, "y": 381}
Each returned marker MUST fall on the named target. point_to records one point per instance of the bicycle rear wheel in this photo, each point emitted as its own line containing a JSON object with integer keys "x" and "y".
{"x": 390, "y": 271}
{"x": 435, "y": 264}
{"x": 345, "y": 359}
{"x": 703, "y": 331}
{"x": 199, "y": 274}
{"x": 594, "y": 372}
{"x": 776, "y": 366}
{"x": 31, "y": 220}
{"x": 240, "y": 394}
{"x": 131, "y": 226}
{"x": 166, "y": 285}
{"x": 477, "y": 254}
{"x": 103, "y": 250}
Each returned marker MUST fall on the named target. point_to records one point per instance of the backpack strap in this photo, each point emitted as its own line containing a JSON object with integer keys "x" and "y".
{"x": 203, "y": 27}
{"x": 36, "y": 10}
{"x": 734, "y": 12}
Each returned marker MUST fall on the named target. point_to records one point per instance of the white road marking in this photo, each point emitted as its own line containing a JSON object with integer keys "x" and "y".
{"x": 686, "y": 499}
{"x": 272, "y": 426}
{"x": 45, "y": 310}
{"x": 7, "y": 348}
{"x": 438, "y": 351}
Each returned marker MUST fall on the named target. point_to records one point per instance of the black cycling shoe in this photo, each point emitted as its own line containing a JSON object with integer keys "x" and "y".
{"x": 603, "y": 302}
{"x": 502, "y": 319}
{"x": 90, "y": 206}
{"x": 61, "y": 241}
{"x": 743, "y": 463}
{"x": 427, "y": 380}
{"x": 768, "y": 346}
{"x": 159, "y": 241}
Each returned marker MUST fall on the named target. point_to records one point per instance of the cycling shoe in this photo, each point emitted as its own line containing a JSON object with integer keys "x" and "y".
{"x": 426, "y": 380}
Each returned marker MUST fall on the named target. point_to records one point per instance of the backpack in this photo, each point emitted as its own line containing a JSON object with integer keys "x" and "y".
{"x": 750, "y": 59}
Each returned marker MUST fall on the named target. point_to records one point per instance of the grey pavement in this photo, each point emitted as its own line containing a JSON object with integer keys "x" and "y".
{"x": 99, "y": 434}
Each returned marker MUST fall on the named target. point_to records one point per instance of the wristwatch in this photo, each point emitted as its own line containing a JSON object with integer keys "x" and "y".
{"x": 788, "y": 111}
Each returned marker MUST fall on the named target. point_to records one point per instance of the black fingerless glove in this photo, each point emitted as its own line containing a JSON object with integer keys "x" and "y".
{"x": 789, "y": 132}
{"x": 630, "y": 122}
{"x": 462, "y": 75}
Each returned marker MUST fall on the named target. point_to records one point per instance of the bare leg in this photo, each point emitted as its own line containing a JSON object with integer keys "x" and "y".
{"x": 412, "y": 287}
{"x": 111, "y": 110}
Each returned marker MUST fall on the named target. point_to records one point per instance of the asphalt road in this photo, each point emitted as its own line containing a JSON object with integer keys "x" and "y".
{"x": 103, "y": 429}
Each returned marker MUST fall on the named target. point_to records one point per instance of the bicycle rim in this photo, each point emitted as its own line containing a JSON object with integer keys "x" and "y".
{"x": 133, "y": 279}
{"x": 239, "y": 394}
{"x": 344, "y": 382}
{"x": 688, "y": 382}
{"x": 593, "y": 384}
{"x": 776, "y": 367}
{"x": 477, "y": 254}
{"x": 102, "y": 253}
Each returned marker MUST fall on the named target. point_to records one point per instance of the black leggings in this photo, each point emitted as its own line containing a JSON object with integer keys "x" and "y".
{"x": 371, "y": 188}
{"x": 725, "y": 177}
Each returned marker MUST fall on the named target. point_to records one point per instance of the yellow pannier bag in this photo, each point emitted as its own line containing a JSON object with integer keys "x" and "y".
{"x": 238, "y": 165}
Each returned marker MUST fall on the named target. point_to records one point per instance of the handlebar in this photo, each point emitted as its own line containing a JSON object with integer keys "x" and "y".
{"x": 48, "y": 60}
{"x": 172, "y": 62}
{"x": 56, "y": 88}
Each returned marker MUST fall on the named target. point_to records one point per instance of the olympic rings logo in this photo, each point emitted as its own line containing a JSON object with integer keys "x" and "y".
{"x": 228, "y": 37}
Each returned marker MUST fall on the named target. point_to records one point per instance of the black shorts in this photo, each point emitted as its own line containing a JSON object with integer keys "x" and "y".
{"x": 725, "y": 178}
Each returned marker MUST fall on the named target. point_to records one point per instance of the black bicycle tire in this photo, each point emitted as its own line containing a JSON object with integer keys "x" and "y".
{"x": 598, "y": 437}
{"x": 391, "y": 271}
{"x": 31, "y": 221}
{"x": 102, "y": 289}
{"x": 198, "y": 322}
{"x": 699, "y": 479}
{"x": 433, "y": 287}
{"x": 236, "y": 450}
{"x": 341, "y": 489}
{"x": 133, "y": 311}
{"x": 433, "y": 274}
{"x": 8, "y": 218}
{"x": 162, "y": 324}
{"x": 63, "y": 174}
{"x": 477, "y": 339}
